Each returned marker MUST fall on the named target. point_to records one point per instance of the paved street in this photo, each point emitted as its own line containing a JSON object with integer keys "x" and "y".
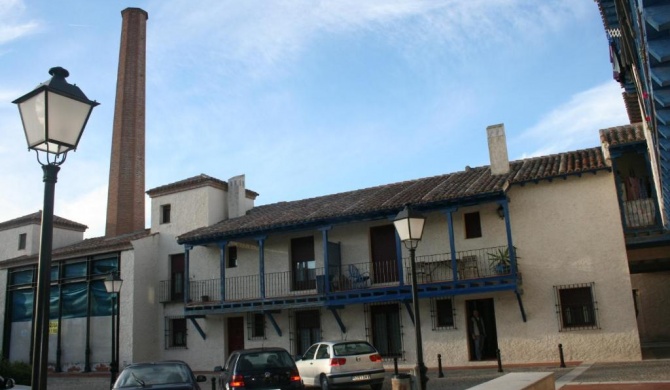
{"x": 644, "y": 375}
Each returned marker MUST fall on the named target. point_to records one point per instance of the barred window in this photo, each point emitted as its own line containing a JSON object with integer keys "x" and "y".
{"x": 256, "y": 326}
{"x": 175, "y": 333}
{"x": 443, "y": 313}
{"x": 576, "y": 306}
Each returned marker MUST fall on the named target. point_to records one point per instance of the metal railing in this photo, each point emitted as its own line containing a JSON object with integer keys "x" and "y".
{"x": 471, "y": 264}
{"x": 639, "y": 213}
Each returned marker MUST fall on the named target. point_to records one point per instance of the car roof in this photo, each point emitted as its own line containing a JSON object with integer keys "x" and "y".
{"x": 333, "y": 342}
{"x": 157, "y": 363}
{"x": 263, "y": 349}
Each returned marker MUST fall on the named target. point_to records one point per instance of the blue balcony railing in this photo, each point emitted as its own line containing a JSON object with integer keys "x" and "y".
{"x": 435, "y": 268}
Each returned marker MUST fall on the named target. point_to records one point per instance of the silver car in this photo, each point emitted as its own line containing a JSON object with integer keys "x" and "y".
{"x": 328, "y": 364}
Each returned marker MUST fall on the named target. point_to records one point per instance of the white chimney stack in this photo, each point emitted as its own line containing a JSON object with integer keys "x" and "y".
{"x": 236, "y": 197}
{"x": 498, "y": 149}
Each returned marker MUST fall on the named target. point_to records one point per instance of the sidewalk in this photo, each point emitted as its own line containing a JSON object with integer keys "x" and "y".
{"x": 643, "y": 375}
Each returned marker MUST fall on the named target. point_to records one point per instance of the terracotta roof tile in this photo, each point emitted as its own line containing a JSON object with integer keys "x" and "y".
{"x": 199, "y": 181}
{"x": 36, "y": 219}
{"x": 621, "y": 135}
{"x": 88, "y": 247}
{"x": 386, "y": 200}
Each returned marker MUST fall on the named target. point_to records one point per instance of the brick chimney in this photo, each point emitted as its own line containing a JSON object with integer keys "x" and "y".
{"x": 498, "y": 149}
{"x": 125, "y": 199}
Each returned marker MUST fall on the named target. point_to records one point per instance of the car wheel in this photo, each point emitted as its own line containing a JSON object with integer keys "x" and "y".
{"x": 323, "y": 381}
{"x": 377, "y": 386}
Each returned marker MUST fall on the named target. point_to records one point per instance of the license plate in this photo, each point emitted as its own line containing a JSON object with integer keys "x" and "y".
{"x": 360, "y": 377}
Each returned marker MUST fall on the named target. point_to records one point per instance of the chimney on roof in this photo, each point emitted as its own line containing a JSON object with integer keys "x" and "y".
{"x": 236, "y": 197}
{"x": 498, "y": 149}
{"x": 125, "y": 198}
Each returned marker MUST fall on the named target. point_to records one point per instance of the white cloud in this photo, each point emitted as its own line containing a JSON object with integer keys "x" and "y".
{"x": 11, "y": 25}
{"x": 574, "y": 124}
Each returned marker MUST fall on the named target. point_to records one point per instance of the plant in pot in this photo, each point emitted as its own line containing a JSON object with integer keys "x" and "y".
{"x": 499, "y": 261}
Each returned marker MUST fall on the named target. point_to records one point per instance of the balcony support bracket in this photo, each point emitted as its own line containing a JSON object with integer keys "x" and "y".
{"x": 408, "y": 306}
{"x": 198, "y": 328}
{"x": 343, "y": 328}
{"x": 518, "y": 298}
{"x": 273, "y": 322}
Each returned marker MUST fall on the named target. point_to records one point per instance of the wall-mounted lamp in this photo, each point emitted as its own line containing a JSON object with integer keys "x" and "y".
{"x": 501, "y": 212}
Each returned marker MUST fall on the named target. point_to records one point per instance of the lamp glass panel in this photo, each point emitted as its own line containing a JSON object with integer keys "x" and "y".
{"x": 402, "y": 226}
{"x": 416, "y": 228}
{"x": 33, "y": 115}
{"x": 67, "y": 118}
{"x": 113, "y": 285}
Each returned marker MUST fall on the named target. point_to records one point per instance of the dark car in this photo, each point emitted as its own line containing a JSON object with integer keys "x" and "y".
{"x": 260, "y": 368}
{"x": 171, "y": 374}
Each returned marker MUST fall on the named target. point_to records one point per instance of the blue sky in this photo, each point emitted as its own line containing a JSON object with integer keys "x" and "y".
{"x": 308, "y": 97}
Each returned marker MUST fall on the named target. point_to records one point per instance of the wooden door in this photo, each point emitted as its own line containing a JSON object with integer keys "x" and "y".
{"x": 235, "y": 336}
{"x": 384, "y": 254}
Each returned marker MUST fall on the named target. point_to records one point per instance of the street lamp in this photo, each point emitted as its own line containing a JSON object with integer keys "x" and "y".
{"x": 409, "y": 225}
{"x": 113, "y": 286}
{"x": 54, "y": 115}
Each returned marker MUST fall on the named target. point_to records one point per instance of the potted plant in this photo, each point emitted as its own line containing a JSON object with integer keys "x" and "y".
{"x": 499, "y": 261}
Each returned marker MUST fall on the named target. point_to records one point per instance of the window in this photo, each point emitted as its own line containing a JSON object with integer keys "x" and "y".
{"x": 22, "y": 240}
{"x": 576, "y": 306}
{"x": 442, "y": 312}
{"x": 473, "y": 225}
{"x": 232, "y": 256}
{"x": 256, "y": 324}
{"x": 175, "y": 333}
{"x": 165, "y": 213}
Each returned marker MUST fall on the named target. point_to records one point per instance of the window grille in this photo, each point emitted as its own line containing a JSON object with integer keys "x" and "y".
{"x": 175, "y": 333}
{"x": 256, "y": 326}
{"x": 576, "y": 306}
{"x": 443, "y": 313}
{"x": 384, "y": 330}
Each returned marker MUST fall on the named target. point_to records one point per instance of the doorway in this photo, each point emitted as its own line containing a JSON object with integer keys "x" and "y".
{"x": 307, "y": 329}
{"x": 384, "y": 254}
{"x": 235, "y": 336}
{"x": 487, "y": 313}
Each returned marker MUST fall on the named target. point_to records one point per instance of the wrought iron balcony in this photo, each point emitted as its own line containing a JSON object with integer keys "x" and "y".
{"x": 470, "y": 266}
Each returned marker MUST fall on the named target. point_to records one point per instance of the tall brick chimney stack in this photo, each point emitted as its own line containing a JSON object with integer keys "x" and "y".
{"x": 125, "y": 199}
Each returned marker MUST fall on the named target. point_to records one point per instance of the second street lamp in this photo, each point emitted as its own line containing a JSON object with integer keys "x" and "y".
{"x": 113, "y": 286}
{"x": 409, "y": 225}
{"x": 54, "y": 115}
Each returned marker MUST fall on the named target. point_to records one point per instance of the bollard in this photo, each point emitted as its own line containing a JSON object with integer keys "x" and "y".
{"x": 440, "y": 374}
{"x": 213, "y": 383}
{"x": 395, "y": 366}
{"x": 499, "y": 361}
{"x": 560, "y": 352}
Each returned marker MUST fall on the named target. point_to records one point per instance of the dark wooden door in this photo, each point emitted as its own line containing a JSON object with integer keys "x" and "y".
{"x": 235, "y": 336}
{"x": 303, "y": 263}
{"x": 308, "y": 329}
{"x": 384, "y": 254}
{"x": 177, "y": 277}
{"x": 386, "y": 329}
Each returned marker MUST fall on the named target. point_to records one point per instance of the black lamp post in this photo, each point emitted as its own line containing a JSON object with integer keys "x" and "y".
{"x": 54, "y": 115}
{"x": 409, "y": 225}
{"x": 113, "y": 286}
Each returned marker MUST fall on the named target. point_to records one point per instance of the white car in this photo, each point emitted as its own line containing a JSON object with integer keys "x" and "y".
{"x": 329, "y": 364}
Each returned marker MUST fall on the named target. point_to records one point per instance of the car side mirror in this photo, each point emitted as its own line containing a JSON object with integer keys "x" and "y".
{"x": 201, "y": 378}
{"x": 9, "y": 383}
{"x": 218, "y": 368}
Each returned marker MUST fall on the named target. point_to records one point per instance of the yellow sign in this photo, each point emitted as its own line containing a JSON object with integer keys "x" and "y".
{"x": 53, "y": 327}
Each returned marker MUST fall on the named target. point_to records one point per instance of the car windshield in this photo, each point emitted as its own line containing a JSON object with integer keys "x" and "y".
{"x": 263, "y": 360}
{"x": 353, "y": 348}
{"x": 153, "y": 374}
